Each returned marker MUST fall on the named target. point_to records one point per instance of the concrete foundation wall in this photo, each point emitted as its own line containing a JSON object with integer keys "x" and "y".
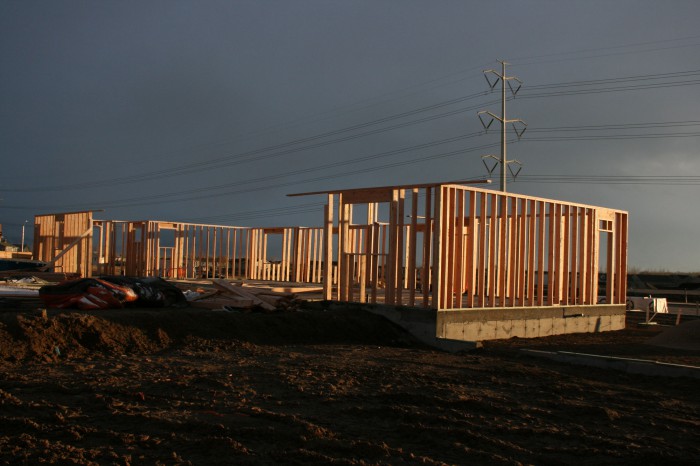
{"x": 528, "y": 322}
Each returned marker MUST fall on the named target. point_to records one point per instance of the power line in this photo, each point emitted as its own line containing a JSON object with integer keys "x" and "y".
{"x": 642, "y": 77}
{"x": 178, "y": 196}
{"x": 679, "y": 180}
{"x": 236, "y": 158}
{"x": 611, "y": 54}
{"x": 257, "y": 154}
{"x": 140, "y": 200}
{"x": 614, "y": 136}
{"x": 693, "y": 82}
{"x": 607, "y": 127}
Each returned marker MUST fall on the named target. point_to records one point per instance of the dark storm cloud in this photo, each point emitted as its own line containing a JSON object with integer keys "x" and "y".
{"x": 97, "y": 91}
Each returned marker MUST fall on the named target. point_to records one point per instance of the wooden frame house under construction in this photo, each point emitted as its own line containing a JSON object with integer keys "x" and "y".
{"x": 491, "y": 264}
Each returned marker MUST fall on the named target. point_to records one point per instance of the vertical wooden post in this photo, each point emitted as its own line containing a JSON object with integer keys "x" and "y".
{"x": 460, "y": 264}
{"x": 503, "y": 250}
{"x": 583, "y": 256}
{"x": 573, "y": 296}
{"x": 540, "y": 252}
{"x": 426, "y": 275}
{"x": 448, "y": 240}
{"x": 400, "y": 244}
{"x": 595, "y": 256}
{"x": 411, "y": 264}
{"x": 589, "y": 232}
{"x": 622, "y": 258}
{"x": 551, "y": 248}
{"x": 513, "y": 251}
{"x": 328, "y": 250}
{"x": 493, "y": 250}
{"x": 566, "y": 270}
{"x": 345, "y": 273}
{"x": 531, "y": 253}
{"x": 436, "y": 280}
{"x": 472, "y": 256}
{"x": 558, "y": 254}
{"x": 375, "y": 260}
{"x": 481, "y": 269}
{"x": 390, "y": 292}
{"x": 522, "y": 253}
{"x": 610, "y": 272}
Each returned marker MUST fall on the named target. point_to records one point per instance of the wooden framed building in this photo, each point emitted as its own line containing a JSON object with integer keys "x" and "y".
{"x": 492, "y": 264}
{"x": 441, "y": 247}
{"x": 448, "y": 246}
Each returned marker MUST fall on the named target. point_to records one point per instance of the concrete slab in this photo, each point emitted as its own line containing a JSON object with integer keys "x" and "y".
{"x": 528, "y": 322}
{"x": 464, "y": 329}
{"x": 504, "y": 329}
{"x": 532, "y": 328}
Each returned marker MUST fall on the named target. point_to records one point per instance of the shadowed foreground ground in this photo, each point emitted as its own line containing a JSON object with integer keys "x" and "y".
{"x": 199, "y": 387}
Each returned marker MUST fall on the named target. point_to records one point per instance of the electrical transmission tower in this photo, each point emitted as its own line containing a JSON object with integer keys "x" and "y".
{"x": 503, "y": 161}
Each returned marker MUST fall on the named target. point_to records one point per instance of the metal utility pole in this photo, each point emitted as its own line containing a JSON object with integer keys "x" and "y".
{"x": 503, "y": 161}
{"x": 23, "y": 225}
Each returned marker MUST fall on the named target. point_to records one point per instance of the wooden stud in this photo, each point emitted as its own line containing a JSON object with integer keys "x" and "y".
{"x": 573, "y": 294}
{"x": 512, "y": 274}
{"x": 328, "y": 250}
{"x": 481, "y": 268}
{"x": 540, "y": 251}
{"x": 492, "y": 261}
{"x": 551, "y": 248}
{"x": 375, "y": 261}
{"x": 566, "y": 259}
{"x": 436, "y": 276}
{"x": 426, "y": 275}
{"x": 502, "y": 250}
{"x": 400, "y": 244}
{"x": 522, "y": 253}
{"x": 412, "y": 249}
{"x": 448, "y": 256}
{"x": 622, "y": 258}
{"x": 458, "y": 288}
{"x": 532, "y": 219}
{"x": 472, "y": 255}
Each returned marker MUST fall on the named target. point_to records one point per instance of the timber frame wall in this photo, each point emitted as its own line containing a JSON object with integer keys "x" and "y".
{"x": 448, "y": 246}
{"x": 444, "y": 246}
{"x": 176, "y": 250}
{"x": 197, "y": 251}
{"x": 65, "y": 241}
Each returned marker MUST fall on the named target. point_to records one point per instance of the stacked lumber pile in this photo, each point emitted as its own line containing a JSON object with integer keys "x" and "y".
{"x": 47, "y": 277}
{"x": 229, "y": 296}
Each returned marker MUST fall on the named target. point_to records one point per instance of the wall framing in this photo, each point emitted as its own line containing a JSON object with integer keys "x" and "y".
{"x": 441, "y": 246}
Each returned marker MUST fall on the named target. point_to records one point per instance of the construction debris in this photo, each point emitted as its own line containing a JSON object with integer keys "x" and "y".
{"x": 230, "y": 296}
{"x": 112, "y": 292}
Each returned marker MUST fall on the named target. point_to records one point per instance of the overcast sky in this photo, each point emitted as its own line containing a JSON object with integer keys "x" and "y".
{"x": 206, "y": 111}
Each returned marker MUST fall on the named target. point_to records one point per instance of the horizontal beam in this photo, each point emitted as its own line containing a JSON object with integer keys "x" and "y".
{"x": 401, "y": 186}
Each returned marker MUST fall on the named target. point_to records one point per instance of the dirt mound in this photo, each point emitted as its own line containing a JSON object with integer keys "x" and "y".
{"x": 685, "y": 336}
{"x": 24, "y": 336}
{"x": 61, "y": 335}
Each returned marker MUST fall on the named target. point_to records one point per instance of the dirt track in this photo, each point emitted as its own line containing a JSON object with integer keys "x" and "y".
{"x": 194, "y": 387}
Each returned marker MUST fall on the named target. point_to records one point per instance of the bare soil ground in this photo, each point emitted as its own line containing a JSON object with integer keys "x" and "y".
{"x": 204, "y": 387}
